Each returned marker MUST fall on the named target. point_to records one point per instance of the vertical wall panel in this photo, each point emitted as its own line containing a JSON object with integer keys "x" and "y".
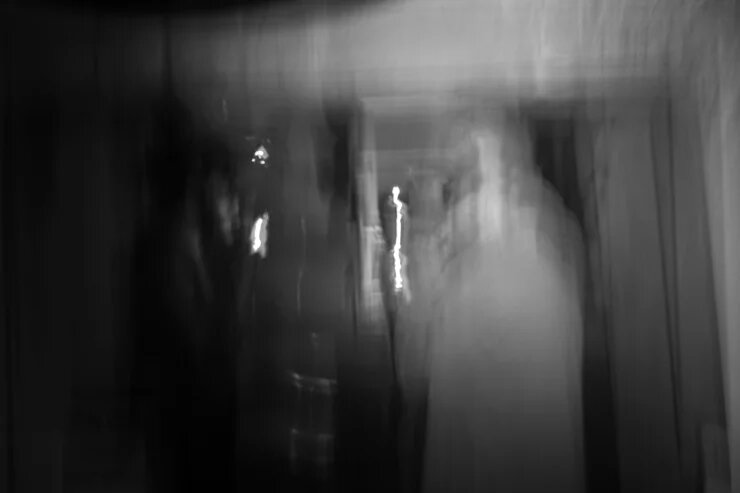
{"x": 729, "y": 114}
{"x": 707, "y": 64}
{"x": 701, "y": 388}
{"x": 599, "y": 426}
{"x": 5, "y": 374}
{"x": 640, "y": 342}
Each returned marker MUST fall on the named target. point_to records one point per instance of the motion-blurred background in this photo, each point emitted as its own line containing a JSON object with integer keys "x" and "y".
{"x": 634, "y": 107}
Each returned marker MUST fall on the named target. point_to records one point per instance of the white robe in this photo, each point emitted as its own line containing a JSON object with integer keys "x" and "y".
{"x": 505, "y": 390}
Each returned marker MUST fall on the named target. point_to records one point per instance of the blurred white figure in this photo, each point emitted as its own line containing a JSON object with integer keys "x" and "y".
{"x": 505, "y": 389}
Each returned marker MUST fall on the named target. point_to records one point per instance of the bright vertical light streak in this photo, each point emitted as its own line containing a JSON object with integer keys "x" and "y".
{"x": 258, "y": 236}
{"x": 256, "y": 240}
{"x": 398, "y": 276}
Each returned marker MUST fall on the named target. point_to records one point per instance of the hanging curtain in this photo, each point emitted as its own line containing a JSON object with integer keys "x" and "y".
{"x": 651, "y": 261}
{"x": 684, "y": 213}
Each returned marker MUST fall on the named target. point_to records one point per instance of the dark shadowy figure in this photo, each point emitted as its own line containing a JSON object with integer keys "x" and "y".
{"x": 184, "y": 375}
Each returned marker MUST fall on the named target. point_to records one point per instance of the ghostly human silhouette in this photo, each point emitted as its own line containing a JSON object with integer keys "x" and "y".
{"x": 184, "y": 369}
{"x": 504, "y": 392}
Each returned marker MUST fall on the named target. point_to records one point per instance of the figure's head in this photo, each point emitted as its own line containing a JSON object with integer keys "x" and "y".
{"x": 489, "y": 149}
{"x": 495, "y": 154}
{"x": 503, "y": 145}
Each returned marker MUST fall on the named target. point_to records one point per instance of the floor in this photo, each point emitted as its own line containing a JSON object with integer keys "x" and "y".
{"x": 101, "y": 456}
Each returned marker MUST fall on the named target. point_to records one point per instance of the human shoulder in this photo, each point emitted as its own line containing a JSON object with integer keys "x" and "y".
{"x": 558, "y": 234}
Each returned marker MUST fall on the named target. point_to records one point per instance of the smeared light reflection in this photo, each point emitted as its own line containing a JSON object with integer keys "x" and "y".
{"x": 261, "y": 155}
{"x": 397, "y": 266}
{"x": 258, "y": 235}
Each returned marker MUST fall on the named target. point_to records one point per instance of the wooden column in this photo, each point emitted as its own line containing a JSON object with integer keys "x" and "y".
{"x": 729, "y": 110}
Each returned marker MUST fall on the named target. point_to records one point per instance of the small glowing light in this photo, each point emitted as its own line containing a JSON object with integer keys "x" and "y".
{"x": 258, "y": 235}
{"x": 261, "y": 156}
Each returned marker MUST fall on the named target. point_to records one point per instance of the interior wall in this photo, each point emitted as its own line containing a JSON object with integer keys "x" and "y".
{"x": 667, "y": 141}
{"x": 6, "y": 423}
{"x": 730, "y": 113}
{"x": 705, "y": 84}
{"x": 528, "y": 48}
{"x": 637, "y": 301}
